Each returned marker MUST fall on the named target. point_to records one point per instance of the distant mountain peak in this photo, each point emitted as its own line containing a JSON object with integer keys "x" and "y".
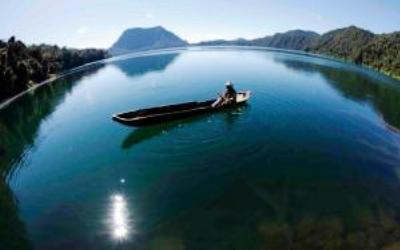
{"x": 353, "y": 27}
{"x": 300, "y": 31}
{"x": 141, "y": 39}
{"x": 293, "y": 39}
{"x": 344, "y": 42}
{"x": 350, "y": 29}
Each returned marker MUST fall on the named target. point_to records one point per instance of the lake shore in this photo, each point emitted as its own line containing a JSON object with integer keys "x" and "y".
{"x": 53, "y": 77}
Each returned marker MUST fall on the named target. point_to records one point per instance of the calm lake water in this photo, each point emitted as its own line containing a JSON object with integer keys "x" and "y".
{"x": 313, "y": 161}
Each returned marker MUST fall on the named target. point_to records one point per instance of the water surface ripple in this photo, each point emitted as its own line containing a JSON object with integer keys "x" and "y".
{"x": 312, "y": 162}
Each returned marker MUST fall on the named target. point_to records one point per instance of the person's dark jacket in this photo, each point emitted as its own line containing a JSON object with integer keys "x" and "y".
{"x": 230, "y": 93}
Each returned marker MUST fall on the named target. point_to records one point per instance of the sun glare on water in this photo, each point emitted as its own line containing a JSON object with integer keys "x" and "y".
{"x": 119, "y": 218}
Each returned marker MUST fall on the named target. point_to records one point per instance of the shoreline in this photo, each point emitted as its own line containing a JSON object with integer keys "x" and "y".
{"x": 37, "y": 85}
{"x": 311, "y": 54}
{"x": 51, "y": 79}
{"x": 54, "y": 77}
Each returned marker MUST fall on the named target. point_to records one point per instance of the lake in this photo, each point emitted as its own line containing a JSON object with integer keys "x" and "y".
{"x": 313, "y": 160}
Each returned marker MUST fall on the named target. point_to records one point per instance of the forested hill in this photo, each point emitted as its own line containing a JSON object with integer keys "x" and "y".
{"x": 380, "y": 52}
{"x": 293, "y": 39}
{"x": 383, "y": 54}
{"x": 344, "y": 43}
{"x": 23, "y": 66}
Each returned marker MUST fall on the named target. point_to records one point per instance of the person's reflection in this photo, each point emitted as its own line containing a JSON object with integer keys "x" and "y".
{"x": 232, "y": 116}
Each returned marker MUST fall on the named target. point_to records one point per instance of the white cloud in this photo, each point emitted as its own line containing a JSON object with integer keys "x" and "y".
{"x": 318, "y": 17}
{"x": 148, "y": 15}
{"x": 82, "y": 30}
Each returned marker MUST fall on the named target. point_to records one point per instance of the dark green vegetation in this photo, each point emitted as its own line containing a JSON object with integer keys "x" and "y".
{"x": 381, "y": 52}
{"x": 141, "y": 39}
{"x": 21, "y": 66}
{"x": 344, "y": 43}
{"x": 294, "y": 39}
{"x": 378, "y": 51}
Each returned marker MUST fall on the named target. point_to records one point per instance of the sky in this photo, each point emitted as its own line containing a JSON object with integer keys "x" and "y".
{"x": 99, "y": 23}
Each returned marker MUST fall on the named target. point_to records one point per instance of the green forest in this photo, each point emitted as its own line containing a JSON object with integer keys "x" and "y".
{"x": 380, "y": 52}
{"x": 21, "y": 66}
{"x": 383, "y": 54}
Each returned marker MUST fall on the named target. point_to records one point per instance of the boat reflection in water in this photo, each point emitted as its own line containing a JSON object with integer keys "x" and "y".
{"x": 119, "y": 218}
{"x": 142, "y": 134}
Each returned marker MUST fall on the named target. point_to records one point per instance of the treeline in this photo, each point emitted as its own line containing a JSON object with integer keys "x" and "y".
{"x": 383, "y": 54}
{"x": 343, "y": 43}
{"x": 380, "y": 52}
{"x": 23, "y": 66}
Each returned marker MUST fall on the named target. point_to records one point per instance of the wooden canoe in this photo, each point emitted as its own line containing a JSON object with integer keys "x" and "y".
{"x": 148, "y": 116}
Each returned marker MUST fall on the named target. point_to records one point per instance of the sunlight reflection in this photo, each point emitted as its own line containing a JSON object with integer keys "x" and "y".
{"x": 119, "y": 217}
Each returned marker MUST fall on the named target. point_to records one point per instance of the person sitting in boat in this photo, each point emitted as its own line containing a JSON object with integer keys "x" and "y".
{"x": 228, "y": 97}
{"x": 230, "y": 93}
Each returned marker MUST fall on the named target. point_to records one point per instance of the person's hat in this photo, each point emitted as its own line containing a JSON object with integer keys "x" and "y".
{"x": 228, "y": 83}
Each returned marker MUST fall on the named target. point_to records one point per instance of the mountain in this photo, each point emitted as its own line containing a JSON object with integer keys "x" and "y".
{"x": 380, "y": 52}
{"x": 294, "y": 40}
{"x": 141, "y": 39}
{"x": 344, "y": 43}
{"x": 221, "y": 42}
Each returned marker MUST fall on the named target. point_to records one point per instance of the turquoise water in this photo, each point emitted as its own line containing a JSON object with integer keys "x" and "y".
{"x": 313, "y": 161}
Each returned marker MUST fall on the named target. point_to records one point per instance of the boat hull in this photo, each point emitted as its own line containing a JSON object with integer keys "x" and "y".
{"x": 150, "y": 116}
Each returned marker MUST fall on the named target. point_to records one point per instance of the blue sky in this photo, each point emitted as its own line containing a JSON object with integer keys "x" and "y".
{"x": 98, "y": 23}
